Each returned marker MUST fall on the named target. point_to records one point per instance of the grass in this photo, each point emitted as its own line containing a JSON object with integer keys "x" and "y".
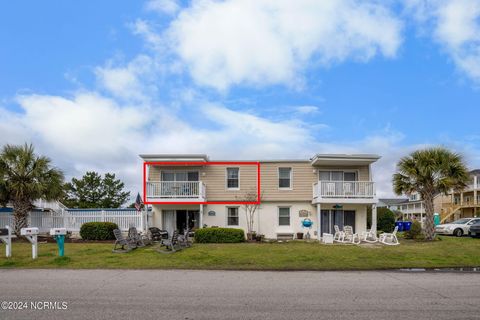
{"x": 447, "y": 252}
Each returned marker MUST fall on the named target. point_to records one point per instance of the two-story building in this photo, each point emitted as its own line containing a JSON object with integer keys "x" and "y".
{"x": 329, "y": 189}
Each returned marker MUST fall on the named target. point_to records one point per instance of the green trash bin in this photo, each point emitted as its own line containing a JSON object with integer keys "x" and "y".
{"x": 436, "y": 219}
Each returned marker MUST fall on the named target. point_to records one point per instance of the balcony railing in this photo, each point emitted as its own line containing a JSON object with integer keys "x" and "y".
{"x": 344, "y": 189}
{"x": 181, "y": 190}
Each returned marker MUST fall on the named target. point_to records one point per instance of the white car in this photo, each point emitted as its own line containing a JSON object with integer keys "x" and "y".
{"x": 457, "y": 228}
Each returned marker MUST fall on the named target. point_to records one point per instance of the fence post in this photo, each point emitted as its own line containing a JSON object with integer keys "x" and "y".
{"x": 141, "y": 220}
{"x": 64, "y": 218}
{"x": 103, "y": 215}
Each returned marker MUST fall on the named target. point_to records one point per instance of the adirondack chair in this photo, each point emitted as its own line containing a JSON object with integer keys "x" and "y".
{"x": 172, "y": 245}
{"x": 369, "y": 236}
{"x": 339, "y": 235}
{"x": 157, "y": 235}
{"x": 138, "y": 239}
{"x": 122, "y": 244}
{"x": 389, "y": 239}
{"x": 349, "y": 236}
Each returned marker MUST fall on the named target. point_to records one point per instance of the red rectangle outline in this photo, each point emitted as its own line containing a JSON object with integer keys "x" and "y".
{"x": 196, "y": 163}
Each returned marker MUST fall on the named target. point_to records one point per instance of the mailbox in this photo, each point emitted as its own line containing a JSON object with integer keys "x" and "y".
{"x": 28, "y": 231}
{"x": 31, "y": 235}
{"x": 6, "y": 237}
{"x": 58, "y": 231}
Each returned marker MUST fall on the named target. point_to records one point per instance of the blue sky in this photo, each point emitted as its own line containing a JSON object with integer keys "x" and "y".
{"x": 93, "y": 84}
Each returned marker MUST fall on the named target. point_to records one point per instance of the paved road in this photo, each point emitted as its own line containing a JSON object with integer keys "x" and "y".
{"x": 153, "y": 294}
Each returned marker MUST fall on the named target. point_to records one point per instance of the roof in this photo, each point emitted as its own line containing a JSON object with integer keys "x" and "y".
{"x": 175, "y": 157}
{"x": 475, "y": 172}
{"x": 326, "y": 159}
{"x": 344, "y": 159}
{"x": 393, "y": 201}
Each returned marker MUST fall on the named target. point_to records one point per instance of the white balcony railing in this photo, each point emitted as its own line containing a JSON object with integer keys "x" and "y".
{"x": 176, "y": 190}
{"x": 344, "y": 189}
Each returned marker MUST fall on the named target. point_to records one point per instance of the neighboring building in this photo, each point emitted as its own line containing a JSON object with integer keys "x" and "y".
{"x": 331, "y": 189}
{"x": 453, "y": 206}
{"x": 463, "y": 204}
{"x": 394, "y": 204}
{"x": 413, "y": 208}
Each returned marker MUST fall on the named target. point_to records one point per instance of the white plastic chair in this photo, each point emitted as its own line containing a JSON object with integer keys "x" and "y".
{"x": 369, "y": 236}
{"x": 349, "y": 236}
{"x": 339, "y": 235}
{"x": 389, "y": 239}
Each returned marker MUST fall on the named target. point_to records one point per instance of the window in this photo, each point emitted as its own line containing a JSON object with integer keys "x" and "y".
{"x": 337, "y": 176}
{"x": 284, "y": 216}
{"x": 233, "y": 178}
{"x": 285, "y": 178}
{"x": 179, "y": 176}
{"x": 232, "y": 216}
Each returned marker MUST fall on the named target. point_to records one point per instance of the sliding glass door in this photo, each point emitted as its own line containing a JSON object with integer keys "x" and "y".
{"x": 341, "y": 218}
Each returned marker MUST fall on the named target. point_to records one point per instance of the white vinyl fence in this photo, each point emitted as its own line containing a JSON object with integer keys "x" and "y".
{"x": 72, "y": 219}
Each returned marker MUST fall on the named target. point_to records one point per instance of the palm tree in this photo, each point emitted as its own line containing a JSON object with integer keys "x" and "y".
{"x": 24, "y": 178}
{"x": 430, "y": 172}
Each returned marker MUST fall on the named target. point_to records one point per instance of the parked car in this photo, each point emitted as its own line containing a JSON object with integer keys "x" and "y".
{"x": 475, "y": 230}
{"x": 457, "y": 228}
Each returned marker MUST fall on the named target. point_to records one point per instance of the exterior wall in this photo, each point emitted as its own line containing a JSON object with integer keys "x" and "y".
{"x": 156, "y": 220}
{"x": 302, "y": 181}
{"x": 266, "y": 217}
{"x": 214, "y": 177}
{"x": 216, "y": 182}
{"x": 304, "y": 175}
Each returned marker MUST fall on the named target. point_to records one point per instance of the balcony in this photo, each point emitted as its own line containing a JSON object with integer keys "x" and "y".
{"x": 344, "y": 192}
{"x": 176, "y": 191}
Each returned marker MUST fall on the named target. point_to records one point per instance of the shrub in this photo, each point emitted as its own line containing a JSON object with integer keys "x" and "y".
{"x": 219, "y": 235}
{"x": 385, "y": 220}
{"x": 415, "y": 231}
{"x": 98, "y": 230}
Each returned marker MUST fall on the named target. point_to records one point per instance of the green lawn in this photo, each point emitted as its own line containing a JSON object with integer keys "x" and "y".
{"x": 447, "y": 252}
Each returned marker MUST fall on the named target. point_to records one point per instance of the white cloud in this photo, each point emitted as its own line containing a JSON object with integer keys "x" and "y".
{"x": 127, "y": 82}
{"x": 455, "y": 25}
{"x": 163, "y": 6}
{"x": 273, "y": 41}
{"x": 307, "y": 109}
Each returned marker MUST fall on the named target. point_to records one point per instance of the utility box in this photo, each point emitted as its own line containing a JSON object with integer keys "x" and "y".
{"x": 58, "y": 231}
{"x": 28, "y": 231}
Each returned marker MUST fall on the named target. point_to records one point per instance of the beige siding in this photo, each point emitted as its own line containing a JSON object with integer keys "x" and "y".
{"x": 215, "y": 181}
{"x": 303, "y": 178}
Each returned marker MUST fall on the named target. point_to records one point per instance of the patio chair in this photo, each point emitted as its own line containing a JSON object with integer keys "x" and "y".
{"x": 157, "y": 235}
{"x": 339, "y": 235}
{"x": 172, "y": 245}
{"x": 389, "y": 239}
{"x": 369, "y": 236}
{"x": 349, "y": 236}
{"x": 122, "y": 244}
{"x": 135, "y": 237}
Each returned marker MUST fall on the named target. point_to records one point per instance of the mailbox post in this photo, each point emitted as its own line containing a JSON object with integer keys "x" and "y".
{"x": 31, "y": 235}
{"x": 6, "y": 237}
{"x": 59, "y": 236}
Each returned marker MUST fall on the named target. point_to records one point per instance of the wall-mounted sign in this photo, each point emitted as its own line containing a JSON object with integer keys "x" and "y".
{"x": 211, "y": 213}
{"x": 303, "y": 213}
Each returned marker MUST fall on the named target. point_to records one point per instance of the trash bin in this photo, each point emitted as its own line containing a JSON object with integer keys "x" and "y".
{"x": 407, "y": 225}
{"x": 436, "y": 219}
{"x": 399, "y": 224}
